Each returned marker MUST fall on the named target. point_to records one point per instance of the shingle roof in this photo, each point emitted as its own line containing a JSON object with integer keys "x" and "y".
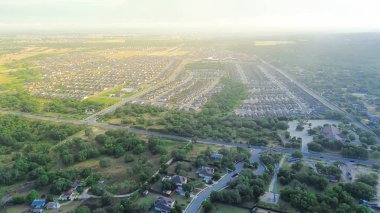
{"x": 164, "y": 203}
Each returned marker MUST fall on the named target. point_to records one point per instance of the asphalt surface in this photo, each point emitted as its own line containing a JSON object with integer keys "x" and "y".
{"x": 180, "y": 138}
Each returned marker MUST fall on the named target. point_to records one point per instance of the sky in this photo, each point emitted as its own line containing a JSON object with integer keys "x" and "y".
{"x": 192, "y": 15}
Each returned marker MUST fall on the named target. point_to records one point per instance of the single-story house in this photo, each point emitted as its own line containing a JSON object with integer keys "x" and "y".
{"x": 206, "y": 172}
{"x": 38, "y": 203}
{"x": 179, "y": 180}
{"x": 68, "y": 195}
{"x": 53, "y": 205}
{"x": 216, "y": 155}
{"x": 164, "y": 204}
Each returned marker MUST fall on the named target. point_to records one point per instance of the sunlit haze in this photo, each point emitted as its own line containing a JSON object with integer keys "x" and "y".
{"x": 192, "y": 16}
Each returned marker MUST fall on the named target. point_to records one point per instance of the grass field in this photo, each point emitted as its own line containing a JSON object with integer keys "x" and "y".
{"x": 222, "y": 208}
{"x": 104, "y": 100}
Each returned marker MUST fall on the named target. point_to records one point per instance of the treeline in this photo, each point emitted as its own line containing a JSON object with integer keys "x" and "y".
{"x": 216, "y": 120}
{"x": 339, "y": 198}
{"x": 320, "y": 144}
{"x": 17, "y": 132}
{"x": 309, "y": 191}
{"x": 22, "y": 101}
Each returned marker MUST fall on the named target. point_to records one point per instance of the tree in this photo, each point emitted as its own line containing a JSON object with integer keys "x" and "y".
{"x": 83, "y": 209}
{"x": 297, "y": 154}
{"x": 128, "y": 158}
{"x": 315, "y": 147}
{"x": 43, "y": 180}
{"x": 105, "y": 162}
{"x": 168, "y": 185}
{"x": 297, "y": 166}
{"x": 360, "y": 190}
{"x": 31, "y": 196}
{"x": 369, "y": 179}
{"x": 18, "y": 199}
{"x": 60, "y": 185}
{"x": 207, "y": 206}
{"x": 88, "y": 132}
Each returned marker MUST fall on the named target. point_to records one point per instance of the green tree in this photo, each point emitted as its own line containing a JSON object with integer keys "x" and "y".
{"x": 32, "y": 195}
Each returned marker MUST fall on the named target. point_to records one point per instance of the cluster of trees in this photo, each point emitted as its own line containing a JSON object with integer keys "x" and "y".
{"x": 319, "y": 182}
{"x": 71, "y": 106}
{"x": 333, "y": 170}
{"x": 334, "y": 199}
{"x": 117, "y": 142}
{"x": 270, "y": 160}
{"x": 320, "y": 143}
{"x": 214, "y": 121}
{"x": 230, "y": 156}
{"x": 364, "y": 186}
{"x": 32, "y": 159}
{"x": 27, "y": 199}
{"x": 337, "y": 198}
{"x": 60, "y": 181}
{"x": 294, "y": 142}
{"x": 246, "y": 188}
{"x": 23, "y": 102}
{"x": 19, "y": 101}
{"x": 367, "y": 137}
{"x": 77, "y": 150}
{"x": 17, "y": 132}
{"x": 156, "y": 146}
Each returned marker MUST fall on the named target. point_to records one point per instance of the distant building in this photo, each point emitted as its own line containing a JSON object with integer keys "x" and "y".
{"x": 128, "y": 89}
{"x": 332, "y": 133}
{"x": 216, "y": 155}
{"x": 145, "y": 193}
{"x": 374, "y": 119}
{"x": 163, "y": 204}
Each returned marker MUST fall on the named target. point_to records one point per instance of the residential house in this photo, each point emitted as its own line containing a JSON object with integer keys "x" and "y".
{"x": 53, "y": 205}
{"x": 68, "y": 195}
{"x": 206, "y": 172}
{"x": 38, "y": 203}
{"x": 179, "y": 180}
{"x": 163, "y": 204}
{"x": 216, "y": 155}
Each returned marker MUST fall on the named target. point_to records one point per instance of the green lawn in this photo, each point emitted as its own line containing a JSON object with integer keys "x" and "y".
{"x": 223, "y": 208}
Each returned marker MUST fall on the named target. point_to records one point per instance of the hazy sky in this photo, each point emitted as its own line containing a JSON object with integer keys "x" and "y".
{"x": 196, "y": 15}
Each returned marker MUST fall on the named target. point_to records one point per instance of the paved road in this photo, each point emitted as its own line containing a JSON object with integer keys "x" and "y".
{"x": 196, "y": 203}
{"x": 255, "y": 157}
{"x": 320, "y": 98}
{"x": 204, "y": 141}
